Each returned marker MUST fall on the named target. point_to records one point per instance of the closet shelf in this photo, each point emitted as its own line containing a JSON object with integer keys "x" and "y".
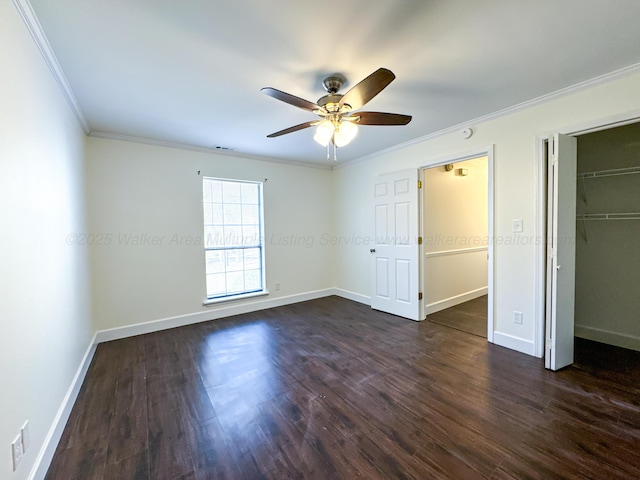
{"x": 609, "y": 216}
{"x": 610, "y": 173}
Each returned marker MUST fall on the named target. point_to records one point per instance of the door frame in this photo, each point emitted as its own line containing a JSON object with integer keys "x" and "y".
{"x": 540, "y": 233}
{"x": 456, "y": 158}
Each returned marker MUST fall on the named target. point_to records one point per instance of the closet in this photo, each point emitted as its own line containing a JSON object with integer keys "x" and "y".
{"x": 607, "y": 298}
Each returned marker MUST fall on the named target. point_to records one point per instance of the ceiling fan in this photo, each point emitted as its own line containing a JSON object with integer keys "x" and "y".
{"x": 338, "y": 119}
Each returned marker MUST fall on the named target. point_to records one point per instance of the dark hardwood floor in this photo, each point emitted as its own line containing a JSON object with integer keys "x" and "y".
{"x": 330, "y": 389}
{"x": 470, "y": 317}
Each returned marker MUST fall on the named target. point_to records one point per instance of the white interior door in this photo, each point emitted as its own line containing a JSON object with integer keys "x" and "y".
{"x": 561, "y": 251}
{"x": 395, "y": 255}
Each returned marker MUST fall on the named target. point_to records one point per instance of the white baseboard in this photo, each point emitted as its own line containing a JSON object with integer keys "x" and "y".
{"x": 623, "y": 340}
{"x": 43, "y": 460}
{"x": 45, "y": 455}
{"x": 212, "y": 313}
{"x": 349, "y": 295}
{"x": 456, "y": 300}
{"x": 514, "y": 343}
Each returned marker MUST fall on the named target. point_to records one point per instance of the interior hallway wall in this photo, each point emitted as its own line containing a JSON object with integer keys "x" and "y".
{"x": 455, "y": 220}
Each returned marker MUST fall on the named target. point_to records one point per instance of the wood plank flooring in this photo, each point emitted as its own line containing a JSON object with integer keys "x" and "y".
{"x": 470, "y": 317}
{"x": 330, "y": 389}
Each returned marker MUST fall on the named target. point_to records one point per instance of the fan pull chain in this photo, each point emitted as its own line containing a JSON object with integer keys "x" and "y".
{"x": 328, "y": 155}
{"x": 335, "y": 152}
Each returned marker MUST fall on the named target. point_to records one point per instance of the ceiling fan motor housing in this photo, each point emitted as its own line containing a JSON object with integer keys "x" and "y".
{"x": 330, "y": 102}
{"x": 333, "y": 83}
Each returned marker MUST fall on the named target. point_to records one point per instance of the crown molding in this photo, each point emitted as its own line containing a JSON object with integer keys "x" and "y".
{"x": 33, "y": 25}
{"x": 35, "y": 29}
{"x": 209, "y": 150}
{"x": 563, "y": 92}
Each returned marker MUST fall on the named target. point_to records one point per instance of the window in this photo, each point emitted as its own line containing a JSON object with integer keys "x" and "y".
{"x": 233, "y": 231}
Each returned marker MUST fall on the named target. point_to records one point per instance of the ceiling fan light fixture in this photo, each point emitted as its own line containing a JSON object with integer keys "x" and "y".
{"x": 339, "y": 114}
{"x": 324, "y": 132}
{"x": 345, "y": 132}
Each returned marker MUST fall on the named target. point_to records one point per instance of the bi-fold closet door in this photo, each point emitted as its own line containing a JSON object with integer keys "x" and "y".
{"x": 561, "y": 233}
{"x": 593, "y": 244}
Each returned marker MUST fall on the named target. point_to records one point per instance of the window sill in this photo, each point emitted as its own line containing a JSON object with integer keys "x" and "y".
{"x": 214, "y": 301}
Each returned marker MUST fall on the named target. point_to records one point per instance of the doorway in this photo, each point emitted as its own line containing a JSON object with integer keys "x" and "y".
{"x": 455, "y": 258}
{"x": 601, "y": 287}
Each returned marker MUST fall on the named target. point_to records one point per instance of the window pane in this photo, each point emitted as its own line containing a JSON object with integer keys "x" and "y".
{"x": 213, "y": 237}
{"x": 250, "y": 193}
{"x": 252, "y": 280}
{"x": 215, "y": 261}
{"x": 250, "y": 236}
{"x": 252, "y": 258}
{"x": 235, "y": 282}
{"x": 216, "y": 212}
{"x": 232, "y": 236}
{"x": 231, "y": 192}
{"x": 208, "y": 214}
{"x": 233, "y": 245}
{"x": 235, "y": 260}
{"x": 216, "y": 285}
{"x": 216, "y": 191}
{"x": 206, "y": 191}
{"x": 232, "y": 214}
{"x": 250, "y": 214}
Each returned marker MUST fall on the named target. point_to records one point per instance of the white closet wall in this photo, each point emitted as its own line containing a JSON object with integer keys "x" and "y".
{"x": 608, "y": 237}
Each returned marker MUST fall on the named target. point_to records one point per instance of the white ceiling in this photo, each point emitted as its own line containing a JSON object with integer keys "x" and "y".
{"x": 190, "y": 71}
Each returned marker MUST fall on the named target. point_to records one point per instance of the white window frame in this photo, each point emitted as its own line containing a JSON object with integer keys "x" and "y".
{"x": 213, "y": 299}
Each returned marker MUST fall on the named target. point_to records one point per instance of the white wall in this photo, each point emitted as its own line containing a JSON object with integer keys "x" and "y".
{"x": 45, "y": 314}
{"x": 514, "y": 137}
{"x": 608, "y": 262}
{"x": 455, "y": 221}
{"x": 139, "y": 192}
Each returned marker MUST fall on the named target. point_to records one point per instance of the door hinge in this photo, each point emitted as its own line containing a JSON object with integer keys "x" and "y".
{"x": 419, "y": 295}
{"x": 419, "y": 240}
{"x": 419, "y": 183}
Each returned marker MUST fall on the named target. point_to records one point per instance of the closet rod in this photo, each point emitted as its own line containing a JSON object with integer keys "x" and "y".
{"x": 610, "y": 173}
{"x": 609, "y": 216}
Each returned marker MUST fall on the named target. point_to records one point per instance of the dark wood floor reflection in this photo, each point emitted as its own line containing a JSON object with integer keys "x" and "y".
{"x": 332, "y": 389}
{"x": 470, "y": 317}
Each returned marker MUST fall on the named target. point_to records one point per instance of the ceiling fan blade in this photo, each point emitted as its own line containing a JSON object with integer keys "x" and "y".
{"x": 380, "y": 118}
{"x": 295, "y": 128}
{"x": 290, "y": 99}
{"x": 368, "y": 88}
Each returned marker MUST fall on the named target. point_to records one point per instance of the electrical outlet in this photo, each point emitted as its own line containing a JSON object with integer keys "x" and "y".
{"x": 517, "y": 317}
{"x": 517, "y": 225}
{"x": 26, "y": 436}
{"x": 277, "y": 286}
{"x": 16, "y": 451}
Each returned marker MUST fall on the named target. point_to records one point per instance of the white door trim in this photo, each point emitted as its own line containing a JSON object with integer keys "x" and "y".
{"x": 461, "y": 157}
